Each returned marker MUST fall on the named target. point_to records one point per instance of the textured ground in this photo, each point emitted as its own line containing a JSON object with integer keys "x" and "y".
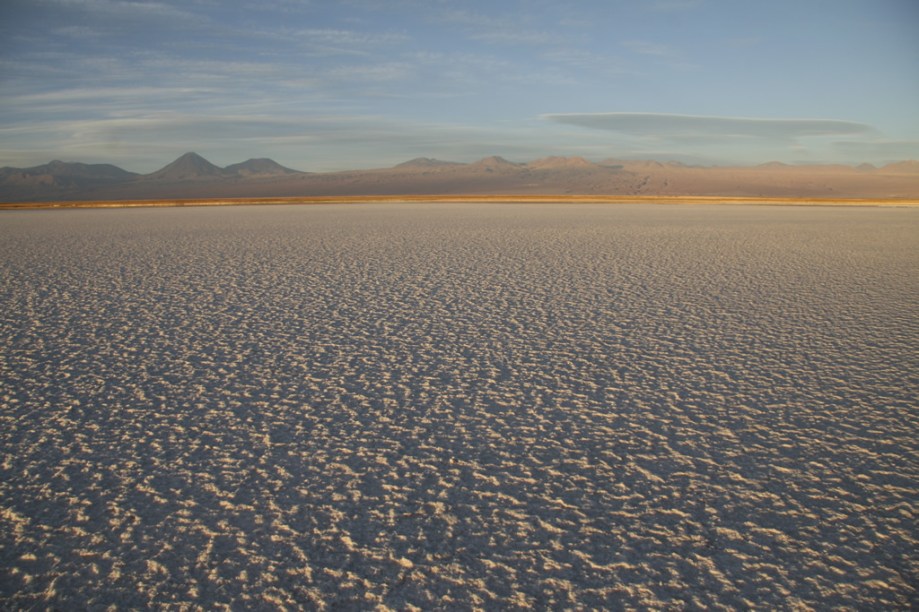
{"x": 459, "y": 406}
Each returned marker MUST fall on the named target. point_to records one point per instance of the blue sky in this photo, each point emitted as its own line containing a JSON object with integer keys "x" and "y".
{"x": 322, "y": 85}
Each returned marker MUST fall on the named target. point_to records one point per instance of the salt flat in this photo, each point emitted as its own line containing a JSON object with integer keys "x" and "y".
{"x": 452, "y": 406}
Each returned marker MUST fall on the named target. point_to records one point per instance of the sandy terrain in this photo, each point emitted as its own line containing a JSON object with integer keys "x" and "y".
{"x": 459, "y": 406}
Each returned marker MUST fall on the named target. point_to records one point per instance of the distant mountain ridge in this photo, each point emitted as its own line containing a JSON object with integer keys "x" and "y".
{"x": 192, "y": 166}
{"x": 65, "y": 174}
{"x": 191, "y": 176}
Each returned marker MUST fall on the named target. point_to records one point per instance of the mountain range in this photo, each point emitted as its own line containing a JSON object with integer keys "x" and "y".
{"x": 192, "y": 176}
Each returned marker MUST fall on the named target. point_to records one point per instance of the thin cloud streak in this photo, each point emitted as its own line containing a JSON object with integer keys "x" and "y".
{"x": 646, "y": 48}
{"x": 62, "y": 97}
{"x": 498, "y": 30}
{"x": 135, "y": 10}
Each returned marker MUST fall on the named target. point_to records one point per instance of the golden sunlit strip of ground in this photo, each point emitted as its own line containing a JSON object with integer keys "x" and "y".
{"x": 473, "y": 198}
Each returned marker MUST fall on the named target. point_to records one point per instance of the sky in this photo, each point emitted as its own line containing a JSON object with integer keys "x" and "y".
{"x": 323, "y": 85}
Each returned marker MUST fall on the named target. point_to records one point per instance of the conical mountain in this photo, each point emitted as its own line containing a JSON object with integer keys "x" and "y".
{"x": 261, "y": 166}
{"x": 188, "y": 167}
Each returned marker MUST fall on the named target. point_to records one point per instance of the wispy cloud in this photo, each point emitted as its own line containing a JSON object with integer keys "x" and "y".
{"x": 389, "y": 71}
{"x": 109, "y": 14}
{"x": 352, "y": 38}
{"x": 125, "y": 8}
{"x": 648, "y": 48}
{"x": 330, "y": 41}
{"x": 503, "y": 30}
{"x": 659, "y": 53}
{"x": 582, "y": 59}
{"x": 67, "y": 96}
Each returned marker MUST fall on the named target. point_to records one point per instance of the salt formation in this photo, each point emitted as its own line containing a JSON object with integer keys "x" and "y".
{"x": 459, "y": 406}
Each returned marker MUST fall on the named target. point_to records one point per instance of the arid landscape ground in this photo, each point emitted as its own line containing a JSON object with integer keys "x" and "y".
{"x": 459, "y": 405}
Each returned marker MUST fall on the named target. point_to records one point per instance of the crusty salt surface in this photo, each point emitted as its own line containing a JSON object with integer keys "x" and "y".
{"x": 459, "y": 405}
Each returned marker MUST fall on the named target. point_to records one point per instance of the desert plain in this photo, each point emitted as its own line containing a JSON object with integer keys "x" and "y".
{"x": 458, "y": 406}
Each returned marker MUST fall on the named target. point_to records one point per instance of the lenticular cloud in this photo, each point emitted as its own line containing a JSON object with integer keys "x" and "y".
{"x": 667, "y": 125}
